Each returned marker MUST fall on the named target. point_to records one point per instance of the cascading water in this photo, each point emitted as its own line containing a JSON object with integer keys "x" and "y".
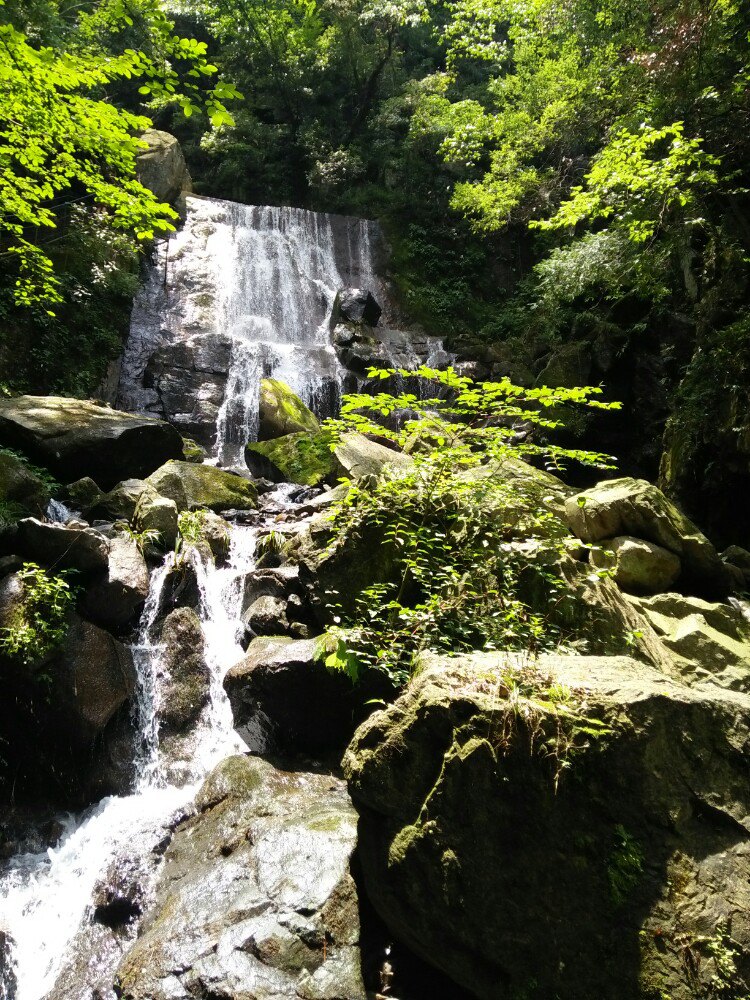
{"x": 46, "y": 898}
{"x": 242, "y": 292}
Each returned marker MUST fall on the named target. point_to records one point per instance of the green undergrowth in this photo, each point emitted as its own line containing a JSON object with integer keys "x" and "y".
{"x": 39, "y": 624}
{"x": 471, "y": 556}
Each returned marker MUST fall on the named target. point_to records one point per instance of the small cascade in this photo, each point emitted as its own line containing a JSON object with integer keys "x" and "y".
{"x": 46, "y": 897}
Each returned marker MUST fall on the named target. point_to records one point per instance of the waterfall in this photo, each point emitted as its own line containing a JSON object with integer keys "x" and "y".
{"x": 239, "y": 293}
{"x": 46, "y": 897}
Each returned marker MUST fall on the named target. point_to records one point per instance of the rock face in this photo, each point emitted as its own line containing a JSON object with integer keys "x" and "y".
{"x": 161, "y": 166}
{"x": 282, "y": 412}
{"x": 255, "y": 898}
{"x": 202, "y": 486}
{"x": 304, "y": 458}
{"x": 309, "y": 708}
{"x": 635, "y": 507}
{"x": 75, "y": 438}
{"x": 628, "y": 880}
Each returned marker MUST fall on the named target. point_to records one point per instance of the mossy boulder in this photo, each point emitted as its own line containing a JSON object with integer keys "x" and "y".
{"x": 567, "y": 827}
{"x": 22, "y": 490}
{"x": 303, "y": 457}
{"x": 75, "y": 438}
{"x": 636, "y": 508}
{"x": 193, "y": 487}
{"x": 282, "y": 412}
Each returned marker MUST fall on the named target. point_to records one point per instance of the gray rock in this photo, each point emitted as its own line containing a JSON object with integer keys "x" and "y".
{"x": 157, "y": 513}
{"x": 255, "y": 898}
{"x": 617, "y": 793}
{"x": 183, "y": 660}
{"x": 65, "y": 547}
{"x": 21, "y": 490}
{"x": 161, "y": 166}
{"x": 356, "y": 456}
{"x": 635, "y": 507}
{"x": 355, "y": 305}
{"x": 267, "y": 616}
{"x": 75, "y": 438}
{"x": 119, "y": 596}
{"x": 82, "y": 494}
{"x": 637, "y": 565}
{"x": 120, "y": 502}
{"x": 287, "y": 683}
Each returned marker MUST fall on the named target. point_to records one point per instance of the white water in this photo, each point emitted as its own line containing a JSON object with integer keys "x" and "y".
{"x": 46, "y": 898}
{"x": 239, "y": 293}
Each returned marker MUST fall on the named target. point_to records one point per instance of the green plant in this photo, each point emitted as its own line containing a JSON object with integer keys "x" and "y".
{"x": 625, "y": 867}
{"x": 40, "y": 623}
{"x": 270, "y": 544}
{"x": 46, "y": 477}
{"x": 191, "y": 524}
{"x": 472, "y": 555}
{"x": 143, "y": 539}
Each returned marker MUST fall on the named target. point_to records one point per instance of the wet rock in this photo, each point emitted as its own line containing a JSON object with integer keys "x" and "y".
{"x": 282, "y": 412}
{"x": 92, "y": 677}
{"x": 355, "y": 305}
{"x": 635, "y": 507}
{"x": 255, "y": 897}
{"x": 63, "y": 546}
{"x": 187, "y": 689}
{"x": 193, "y": 487}
{"x": 286, "y": 681}
{"x": 356, "y": 456}
{"x": 118, "y": 597}
{"x": 215, "y": 532}
{"x": 161, "y": 166}
{"x": 76, "y": 438}
{"x": 636, "y": 565}
{"x": 158, "y": 514}
{"x": 7, "y": 975}
{"x": 266, "y": 616}
{"x": 22, "y": 491}
{"x": 303, "y": 458}
{"x": 635, "y": 826}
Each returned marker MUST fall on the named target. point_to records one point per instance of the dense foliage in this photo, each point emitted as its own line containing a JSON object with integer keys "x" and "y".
{"x": 469, "y": 557}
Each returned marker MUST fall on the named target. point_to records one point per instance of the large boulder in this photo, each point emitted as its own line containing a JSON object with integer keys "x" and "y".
{"x": 635, "y": 507}
{"x": 193, "y": 487}
{"x": 356, "y": 456}
{"x": 281, "y": 411}
{"x": 119, "y": 595}
{"x": 22, "y": 491}
{"x": 572, "y": 827}
{"x": 637, "y": 565}
{"x": 286, "y": 684}
{"x": 255, "y": 898}
{"x": 161, "y": 166}
{"x": 304, "y": 458}
{"x": 61, "y": 546}
{"x": 75, "y": 438}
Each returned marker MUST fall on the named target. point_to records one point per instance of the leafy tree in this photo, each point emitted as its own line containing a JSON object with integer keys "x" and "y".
{"x": 473, "y": 543}
{"x": 61, "y": 136}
